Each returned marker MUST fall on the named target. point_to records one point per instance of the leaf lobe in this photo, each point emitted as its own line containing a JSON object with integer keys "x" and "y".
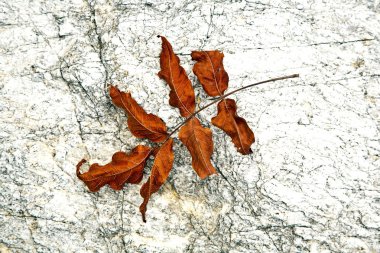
{"x": 140, "y": 123}
{"x": 210, "y": 71}
{"x": 162, "y": 165}
{"x": 181, "y": 91}
{"x": 124, "y": 168}
{"x": 236, "y": 127}
{"x": 198, "y": 140}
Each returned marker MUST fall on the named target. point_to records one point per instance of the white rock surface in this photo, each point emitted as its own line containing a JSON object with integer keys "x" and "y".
{"x": 311, "y": 185}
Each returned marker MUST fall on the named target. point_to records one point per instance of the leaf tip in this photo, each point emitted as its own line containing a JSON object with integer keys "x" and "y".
{"x": 114, "y": 91}
{"x": 244, "y": 151}
{"x": 210, "y": 171}
{"x": 164, "y": 40}
{"x": 143, "y": 206}
{"x": 79, "y": 165}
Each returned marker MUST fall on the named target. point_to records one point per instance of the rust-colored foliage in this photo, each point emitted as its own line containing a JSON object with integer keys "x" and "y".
{"x": 181, "y": 92}
{"x": 128, "y": 167}
{"x": 214, "y": 79}
{"x": 198, "y": 141}
{"x": 235, "y": 126}
{"x": 140, "y": 123}
{"x": 210, "y": 71}
{"x": 124, "y": 168}
{"x": 162, "y": 165}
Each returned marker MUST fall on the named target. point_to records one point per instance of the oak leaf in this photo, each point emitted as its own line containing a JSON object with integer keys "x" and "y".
{"x": 124, "y": 168}
{"x": 140, "y": 123}
{"x": 162, "y": 165}
{"x": 236, "y": 127}
{"x": 198, "y": 140}
{"x": 210, "y": 71}
{"x": 181, "y": 92}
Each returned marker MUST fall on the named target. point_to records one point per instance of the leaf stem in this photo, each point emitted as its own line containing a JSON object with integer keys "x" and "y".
{"x": 222, "y": 97}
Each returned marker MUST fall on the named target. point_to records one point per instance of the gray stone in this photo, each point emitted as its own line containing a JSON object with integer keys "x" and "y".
{"x": 311, "y": 184}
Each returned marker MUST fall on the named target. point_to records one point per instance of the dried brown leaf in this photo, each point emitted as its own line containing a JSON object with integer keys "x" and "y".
{"x": 162, "y": 165}
{"x": 128, "y": 167}
{"x": 236, "y": 127}
{"x": 198, "y": 141}
{"x": 214, "y": 79}
{"x": 181, "y": 91}
{"x": 140, "y": 123}
{"x": 124, "y": 168}
{"x": 210, "y": 71}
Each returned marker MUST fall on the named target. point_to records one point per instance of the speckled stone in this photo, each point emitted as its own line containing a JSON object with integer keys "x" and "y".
{"x": 312, "y": 183}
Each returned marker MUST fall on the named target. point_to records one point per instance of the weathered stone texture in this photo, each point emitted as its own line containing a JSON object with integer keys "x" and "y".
{"x": 311, "y": 185}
